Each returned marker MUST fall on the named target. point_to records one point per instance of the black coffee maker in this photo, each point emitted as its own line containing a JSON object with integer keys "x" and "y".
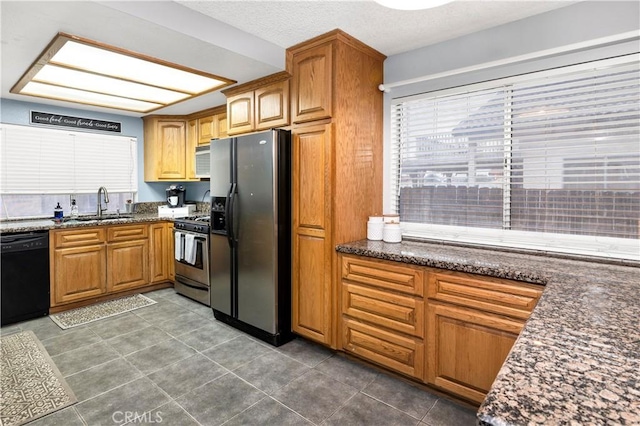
{"x": 175, "y": 196}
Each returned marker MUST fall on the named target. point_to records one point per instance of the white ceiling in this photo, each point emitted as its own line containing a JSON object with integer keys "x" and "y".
{"x": 241, "y": 40}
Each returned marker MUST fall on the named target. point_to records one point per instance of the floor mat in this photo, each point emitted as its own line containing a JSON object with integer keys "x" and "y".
{"x": 31, "y": 384}
{"x": 87, "y": 314}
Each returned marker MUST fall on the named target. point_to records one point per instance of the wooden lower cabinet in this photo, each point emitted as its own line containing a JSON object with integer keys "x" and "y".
{"x": 467, "y": 348}
{"x": 394, "y": 311}
{"x": 311, "y": 292}
{"x": 456, "y": 338}
{"x": 91, "y": 262}
{"x": 79, "y": 273}
{"x": 127, "y": 265}
{"x": 382, "y": 319}
{"x": 398, "y": 352}
{"x": 160, "y": 252}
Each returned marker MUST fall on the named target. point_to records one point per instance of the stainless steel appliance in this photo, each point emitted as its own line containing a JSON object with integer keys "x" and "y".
{"x": 192, "y": 274}
{"x": 25, "y": 276}
{"x": 175, "y": 195}
{"x": 251, "y": 234}
{"x": 203, "y": 162}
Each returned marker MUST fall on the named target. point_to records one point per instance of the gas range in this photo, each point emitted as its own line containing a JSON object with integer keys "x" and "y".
{"x": 197, "y": 224}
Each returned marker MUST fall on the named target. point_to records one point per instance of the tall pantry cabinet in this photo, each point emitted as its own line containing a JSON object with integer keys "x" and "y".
{"x": 336, "y": 114}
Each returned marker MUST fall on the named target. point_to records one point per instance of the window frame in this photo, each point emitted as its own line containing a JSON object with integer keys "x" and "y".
{"x": 600, "y": 246}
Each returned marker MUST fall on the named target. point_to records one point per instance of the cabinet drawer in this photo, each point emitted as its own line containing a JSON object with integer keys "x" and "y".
{"x": 390, "y": 310}
{"x": 489, "y": 294}
{"x": 78, "y": 237}
{"x": 383, "y": 274}
{"x": 400, "y": 353}
{"x": 127, "y": 232}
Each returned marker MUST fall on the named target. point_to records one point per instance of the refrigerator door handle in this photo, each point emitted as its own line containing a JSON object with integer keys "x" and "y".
{"x": 228, "y": 213}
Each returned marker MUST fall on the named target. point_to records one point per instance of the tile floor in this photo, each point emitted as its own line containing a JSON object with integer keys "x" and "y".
{"x": 172, "y": 363}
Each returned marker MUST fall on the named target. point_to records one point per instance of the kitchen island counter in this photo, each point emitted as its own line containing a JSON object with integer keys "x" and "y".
{"x": 578, "y": 357}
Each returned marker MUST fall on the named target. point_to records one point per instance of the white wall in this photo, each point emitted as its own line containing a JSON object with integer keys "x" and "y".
{"x": 575, "y": 23}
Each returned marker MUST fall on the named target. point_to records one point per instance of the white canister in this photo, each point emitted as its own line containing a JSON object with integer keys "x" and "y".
{"x": 392, "y": 218}
{"x": 375, "y": 229}
{"x": 392, "y": 233}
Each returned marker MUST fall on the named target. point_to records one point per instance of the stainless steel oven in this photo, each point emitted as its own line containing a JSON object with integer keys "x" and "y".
{"x": 192, "y": 272}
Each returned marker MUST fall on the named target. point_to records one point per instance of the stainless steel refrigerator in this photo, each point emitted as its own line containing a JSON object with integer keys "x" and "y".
{"x": 250, "y": 242}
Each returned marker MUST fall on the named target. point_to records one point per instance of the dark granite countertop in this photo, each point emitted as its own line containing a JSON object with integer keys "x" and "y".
{"x": 48, "y": 224}
{"x": 577, "y": 361}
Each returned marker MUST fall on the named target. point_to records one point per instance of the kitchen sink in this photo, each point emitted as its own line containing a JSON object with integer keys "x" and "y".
{"x": 96, "y": 218}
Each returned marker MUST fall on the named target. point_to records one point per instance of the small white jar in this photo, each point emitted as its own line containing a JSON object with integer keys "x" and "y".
{"x": 392, "y": 218}
{"x": 392, "y": 233}
{"x": 375, "y": 227}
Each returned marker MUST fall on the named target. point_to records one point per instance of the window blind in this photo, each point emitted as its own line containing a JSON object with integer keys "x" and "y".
{"x": 50, "y": 161}
{"x": 534, "y": 157}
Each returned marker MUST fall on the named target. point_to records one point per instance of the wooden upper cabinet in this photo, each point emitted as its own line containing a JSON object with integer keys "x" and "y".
{"x": 240, "y": 113}
{"x": 221, "y": 126}
{"x": 272, "y": 106}
{"x": 312, "y": 84}
{"x": 171, "y": 149}
{"x": 165, "y": 149}
{"x": 206, "y": 130}
{"x": 258, "y": 105}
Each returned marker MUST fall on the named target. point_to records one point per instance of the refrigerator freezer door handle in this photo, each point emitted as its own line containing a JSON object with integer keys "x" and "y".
{"x": 228, "y": 213}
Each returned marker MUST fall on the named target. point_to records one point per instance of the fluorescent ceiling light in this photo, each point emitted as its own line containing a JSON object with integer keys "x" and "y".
{"x": 84, "y": 71}
{"x": 412, "y": 4}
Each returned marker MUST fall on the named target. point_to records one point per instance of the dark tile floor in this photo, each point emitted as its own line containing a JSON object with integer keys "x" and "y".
{"x": 172, "y": 363}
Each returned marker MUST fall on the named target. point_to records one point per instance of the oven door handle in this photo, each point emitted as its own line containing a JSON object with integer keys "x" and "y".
{"x": 228, "y": 213}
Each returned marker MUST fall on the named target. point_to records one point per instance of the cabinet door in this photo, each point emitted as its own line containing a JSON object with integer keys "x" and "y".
{"x": 221, "y": 126}
{"x": 312, "y": 247}
{"x": 311, "y": 176}
{"x": 466, "y": 348}
{"x": 206, "y": 130}
{"x": 170, "y": 149}
{"x": 312, "y": 84}
{"x": 160, "y": 254}
{"x": 78, "y": 273}
{"x": 312, "y": 287}
{"x": 272, "y": 106}
{"x": 240, "y": 113}
{"x": 190, "y": 149}
{"x": 127, "y": 265}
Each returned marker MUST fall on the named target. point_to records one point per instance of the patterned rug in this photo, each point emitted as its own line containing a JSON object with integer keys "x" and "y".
{"x": 31, "y": 384}
{"x": 110, "y": 308}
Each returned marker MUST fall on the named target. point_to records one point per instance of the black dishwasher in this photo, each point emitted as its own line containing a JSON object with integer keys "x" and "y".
{"x": 24, "y": 271}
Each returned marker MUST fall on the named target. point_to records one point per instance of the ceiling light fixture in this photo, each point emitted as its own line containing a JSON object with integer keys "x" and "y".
{"x": 412, "y": 4}
{"x": 84, "y": 71}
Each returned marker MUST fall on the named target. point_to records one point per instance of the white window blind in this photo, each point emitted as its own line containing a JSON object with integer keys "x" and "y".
{"x": 50, "y": 161}
{"x": 548, "y": 161}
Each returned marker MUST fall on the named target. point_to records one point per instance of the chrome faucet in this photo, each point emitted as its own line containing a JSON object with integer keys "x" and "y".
{"x": 106, "y": 200}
